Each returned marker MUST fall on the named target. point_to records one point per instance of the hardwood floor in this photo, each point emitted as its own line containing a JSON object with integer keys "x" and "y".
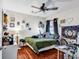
{"x": 27, "y": 53}
{"x": 22, "y": 53}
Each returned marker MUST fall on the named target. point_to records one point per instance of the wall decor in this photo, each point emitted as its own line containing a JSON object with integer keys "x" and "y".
{"x": 4, "y": 27}
{"x": 5, "y": 18}
{"x": 69, "y": 20}
{"x": 18, "y": 23}
{"x": 12, "y": 19}
{"x": 23, "y": 21}
{"x": 62, "y": 21}
{"x": 41, "y": 25}
{"x": 27, "y": 24}
{"x": 12, "y": 25}
{"x": 29, "y": 28}
{"x": 70, "y": 31}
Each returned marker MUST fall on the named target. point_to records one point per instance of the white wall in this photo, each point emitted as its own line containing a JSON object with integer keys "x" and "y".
{"x": 0, "y": 4}
{"x": 0, "y": 22}
{"x": 23, "y": 30}
{"x": 0, "y": 28}
{"x": 14, "y": 5}
{"x": 0, "y": 33}
{"x": 71, "y": 16}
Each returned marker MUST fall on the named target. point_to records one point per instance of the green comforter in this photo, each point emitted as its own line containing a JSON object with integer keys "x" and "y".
{"x": 37, "y": 44}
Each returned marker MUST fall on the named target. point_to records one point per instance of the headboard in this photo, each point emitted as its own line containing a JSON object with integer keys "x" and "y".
{"x": 69, "y": 33}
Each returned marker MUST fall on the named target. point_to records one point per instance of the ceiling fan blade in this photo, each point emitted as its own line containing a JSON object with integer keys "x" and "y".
{"x": 54, "y": 8}
{"x": 36, "y": 12}
{"x": 35, "y": 7}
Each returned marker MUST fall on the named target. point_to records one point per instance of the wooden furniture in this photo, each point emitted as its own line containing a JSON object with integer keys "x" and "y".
{"x": 27, "y": 53}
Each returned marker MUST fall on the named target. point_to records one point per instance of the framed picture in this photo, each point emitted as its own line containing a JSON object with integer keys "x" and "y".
{"x": 18, "y": 23}
{"x": 23, "y": 21}
{"x": 29, "y": 29}
{"x": 62, "y": 21}
{"x": 12, "y": 25}
{"x": 5, "y": 18}
{"x": 12, "y": 19}
{"x": 27, "y": 24}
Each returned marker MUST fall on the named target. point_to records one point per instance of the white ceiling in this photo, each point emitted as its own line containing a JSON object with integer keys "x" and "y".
{"x": 63, "y": 5}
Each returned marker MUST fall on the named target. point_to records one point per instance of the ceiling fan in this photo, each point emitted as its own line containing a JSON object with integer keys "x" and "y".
{"x": 44, "y": 7}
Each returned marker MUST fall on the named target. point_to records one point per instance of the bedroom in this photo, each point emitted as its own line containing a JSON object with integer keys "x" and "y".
{"x": 23, "y": 23}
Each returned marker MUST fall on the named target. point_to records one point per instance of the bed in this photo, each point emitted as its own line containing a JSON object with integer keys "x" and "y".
{"x": 40, "y": 44}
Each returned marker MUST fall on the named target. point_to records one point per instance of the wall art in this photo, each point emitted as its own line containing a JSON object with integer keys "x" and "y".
{"x": 12, "y": 25}
{"x": 70, "y": 31}
{"x": 12, "y": 19}
{"x": 62, "y": 21}
{"x": 23, "y": 21}
{"x": 18, "y": 23}
{"x": 29, "y": 28}
{"x": 27, "y": 24}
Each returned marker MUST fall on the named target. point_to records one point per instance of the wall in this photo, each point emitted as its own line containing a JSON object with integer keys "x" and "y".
{"x": 0, "y": 33}
{"x": 71, "y": 16}
{"x": 14, "y": 5}
{"x": 0, "y": 28}
{"x": 0, "y": 23}
{"x": 22, "y": 29}
{"x": 0, "y": 4}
